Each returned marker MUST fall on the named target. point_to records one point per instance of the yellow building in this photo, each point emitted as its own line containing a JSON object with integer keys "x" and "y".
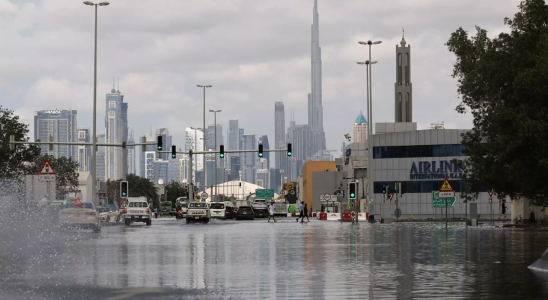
{"x": 309, "y": 168}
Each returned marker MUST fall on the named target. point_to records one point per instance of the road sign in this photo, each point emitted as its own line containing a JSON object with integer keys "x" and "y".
{"x": 438, "y": 202}
{"x": 264, "y": 193}
{"x": 491, "y": 192}
{"x": 353, "y": 214}
{"x": 338, "y": 193}
{"x": 446, "y": 194}
{"x": 446, "y": 186}
{"x": 46, "y": 178}
{"x": 292, "y": 192}
{"x": 77, "y": 202}
{"x": 391, "y": 195}
{"x": 397, "y": 212}
{"x": 327, "y": 197}
{"x": 204, "y": 195}
{"x": 47, "y": 169}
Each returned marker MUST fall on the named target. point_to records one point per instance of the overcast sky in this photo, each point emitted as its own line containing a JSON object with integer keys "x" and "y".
{"x": 254, "y": 53}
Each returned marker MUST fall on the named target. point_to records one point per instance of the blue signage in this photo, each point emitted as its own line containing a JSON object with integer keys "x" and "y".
{"x": 435, "y": 170}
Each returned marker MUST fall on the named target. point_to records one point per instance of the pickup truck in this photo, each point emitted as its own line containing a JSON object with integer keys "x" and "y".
{"x": 137, "y": 210}
{"x": 198, "y": 211}
{"x": 260, "y": 208}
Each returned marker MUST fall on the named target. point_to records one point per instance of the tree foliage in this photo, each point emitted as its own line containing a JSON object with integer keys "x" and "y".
{"x": 175, "y": 190}
{"x": 13, "y": 163}
{"x": 65, "y": 171}
{"x": 503, "y": 83}
{"x": 138, "y": 187}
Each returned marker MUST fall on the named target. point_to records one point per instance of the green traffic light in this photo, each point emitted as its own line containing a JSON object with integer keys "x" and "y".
{"x": 124, "y": 194}
{"x": 352, "y": 195}
{"x": 173, "y": 156}
{"x": 222, "y": 155}
{"x": 288, "y": 153}
{"x": 159, "y": 147}
{"x": 260, "y": 154}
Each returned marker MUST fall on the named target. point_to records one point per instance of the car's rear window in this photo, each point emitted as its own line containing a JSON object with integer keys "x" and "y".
{"x": 84, "y": 205}
{"x": 245, "y": 208}
{"x": 217, "y": 206}
{"x": 198, "y": 204}
{"x": 138, "y": 204}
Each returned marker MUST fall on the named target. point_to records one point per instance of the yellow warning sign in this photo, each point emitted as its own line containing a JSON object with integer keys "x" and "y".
{"x": 446, "y": 186}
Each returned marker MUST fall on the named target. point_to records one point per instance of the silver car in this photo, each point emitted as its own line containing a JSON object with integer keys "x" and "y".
{"x": 80, "y": 215}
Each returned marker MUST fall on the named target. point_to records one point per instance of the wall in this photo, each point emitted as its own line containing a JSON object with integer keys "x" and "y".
{"x": 325, "y": 183}
{"x": 309, "y": 168}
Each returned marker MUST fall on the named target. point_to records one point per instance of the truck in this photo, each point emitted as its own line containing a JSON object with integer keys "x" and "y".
{"x": 260, "y": 208}
{"x": 198, "y": 211}
{"x": 137, "y": 209}
{"x": 166, "y": 208}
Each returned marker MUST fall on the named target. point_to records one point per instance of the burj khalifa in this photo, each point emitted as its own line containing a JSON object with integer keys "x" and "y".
{"x": 315, "y": 108}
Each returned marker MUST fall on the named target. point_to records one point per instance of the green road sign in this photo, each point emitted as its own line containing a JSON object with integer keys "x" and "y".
{"x": 264, "y": 193}
{"x": 438, "y": 202}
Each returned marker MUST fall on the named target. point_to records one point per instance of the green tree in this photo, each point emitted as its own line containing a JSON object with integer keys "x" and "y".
{"x": 174, "y": 191}
{"x": 13, "y": 162}
{"x": 65, "y": 170}
{"x": 138, "y": 187}
{"x": 502, "y": 81}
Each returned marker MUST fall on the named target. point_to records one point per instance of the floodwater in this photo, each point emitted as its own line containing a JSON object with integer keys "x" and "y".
{"x": 261, "y": 260}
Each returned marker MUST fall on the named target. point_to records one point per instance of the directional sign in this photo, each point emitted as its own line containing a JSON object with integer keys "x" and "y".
{"x": 47, "y": 169}
{"x": 264, "y": 193}
{"x": 438, "y": 202}
{"x": 446, "y": 186}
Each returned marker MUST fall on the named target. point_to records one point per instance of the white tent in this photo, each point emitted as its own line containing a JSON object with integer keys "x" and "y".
{"x": 232, "y": 188}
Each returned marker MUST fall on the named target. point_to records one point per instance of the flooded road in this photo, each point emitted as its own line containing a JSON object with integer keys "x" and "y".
{"x": 260, "y": 260}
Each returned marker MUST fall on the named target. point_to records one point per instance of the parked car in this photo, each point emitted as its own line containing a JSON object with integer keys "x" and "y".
{"x": 230, "y": 212}
{"x": 108, "y": 215}
{"x": 245, "y": 212}
{"x": 198, "y": 211}
{"x": 80, "y": 215}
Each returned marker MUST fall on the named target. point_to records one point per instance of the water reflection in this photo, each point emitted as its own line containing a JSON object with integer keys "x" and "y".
{"x": 320, "y": 260}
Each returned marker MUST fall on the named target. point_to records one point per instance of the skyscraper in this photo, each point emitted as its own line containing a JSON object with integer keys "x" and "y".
{"x": 233, "y": 139}
{"x": 264, "y": 140}
{"x": 247, "y": 159}
{"x": 279, "y": 131}
{"x": 131, "y": 156}
{"x": 211, "y": 132}
{"x": 101, "y": 173}
{"x": 241, "y": 138}
{"x": 84, "y": 151}
{"x": 403, "y": 86}
{"x": 315, "y": 108}
{"x": 360, "y": 129}
{"x": 61, "y": 125}
{"x": 116, "y": 132}
{"x": 166, "y": 141}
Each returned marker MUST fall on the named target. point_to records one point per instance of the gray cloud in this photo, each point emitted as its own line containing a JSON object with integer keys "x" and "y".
{"x": 254, "y": 53}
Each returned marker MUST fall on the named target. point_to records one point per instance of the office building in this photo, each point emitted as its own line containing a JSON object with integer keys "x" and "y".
{"x": 360, "y": 129}
{"x": 213, "y": 130}
{"x": 61, "y": 126}
{"x": 131, "y": 156}
{"x": 84, "y": 151}
{"x": 166, "y": 141}
{"x": 233, "y": 142}
{"x": 235, "y": 167}
{"x": 101, "y": 163}
{"x": 247, "y": 159}
{"x": 116, "y": 132}
{"x": 279, "y": 131}
{"x": 161, "y": 171}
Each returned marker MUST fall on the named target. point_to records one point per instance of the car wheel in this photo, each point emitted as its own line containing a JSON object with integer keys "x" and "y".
{"x": 97, "y": 228}
{"x": 108, "y": 219}
{"x": 149, "y": 222}
{"x": 127, "y": 222}
{"x": 187, "y": 221}
{"x": 117, "y": 219}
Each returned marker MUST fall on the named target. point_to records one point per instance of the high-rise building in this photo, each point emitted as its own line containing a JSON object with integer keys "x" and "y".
{"x": 233, "y": 140}
{"x": 61, "y": 125}
{"x": 84, "y": 151}
{"x": 210, "y": 142}
{"x": 315, "y": 108}
{"x": 279, "y": 131}
{"x": 247, "y": 159}
{"x": 264, "y": 140}
{"x": 184, "y": 175}
{"x": 403, "y": 86}
{"x": 241, "y": 138}
{"x": 116, "y": 132}
{"x": 166, "y": 141}
{"x": 144, "y": 165}
{"x": 360, "y": 129}
{"x": 301, "y": 137}
{"x": 161, "y": 171}
{"x": 262, "y": 173}
{"x": 173, "y": 170}
{"x": 150, "y": 158}
{"x": 193, "y": 140}
{"x": 131, "y": 156}
{"x": 101, "y": 172}
{"x": 234, "y": 167}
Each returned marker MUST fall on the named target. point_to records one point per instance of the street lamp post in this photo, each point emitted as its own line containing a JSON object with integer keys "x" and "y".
{"x": 204, "y": 127}
{"x": 215, "y": 122}
{"x": 94, "y": 173}
{"x": 370, "y": 112}
{"x": 367, "y": 63}
{"x": 195, "y": 149}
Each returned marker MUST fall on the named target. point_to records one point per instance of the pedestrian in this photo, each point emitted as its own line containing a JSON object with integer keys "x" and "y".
{"x": 300, "y": 211}
{"x": 305, "y": 213}
{"x": 271, "y": 210}
{"x": 503, "y": 212}
{"x": 156, "y": 213}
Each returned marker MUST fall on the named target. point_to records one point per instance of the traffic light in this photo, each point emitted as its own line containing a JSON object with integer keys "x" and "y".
{"x": 260, "y": 150}
{"x": 352, "y": 190}
{"x": 289, "y": 152}
{"x": 123, "y": 189}
{"x": 173, "y": 152}
{"x": 222, "y": 151}
{"x": 160, "y": 144}
{"x": 240, "y": 185}
{"x": 387, "y": 192}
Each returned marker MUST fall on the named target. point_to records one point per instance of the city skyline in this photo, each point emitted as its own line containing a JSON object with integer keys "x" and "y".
{"x": 68, "y": 83}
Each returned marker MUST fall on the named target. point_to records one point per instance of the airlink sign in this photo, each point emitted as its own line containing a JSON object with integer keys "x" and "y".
{"x": 434, "y": 170}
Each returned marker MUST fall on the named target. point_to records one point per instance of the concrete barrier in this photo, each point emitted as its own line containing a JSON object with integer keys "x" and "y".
{"x": 333, "y": 216}
{"x": 541, "y": 264}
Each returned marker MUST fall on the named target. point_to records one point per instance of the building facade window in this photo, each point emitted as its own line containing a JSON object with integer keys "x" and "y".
{"x": 412, "y": 187}
{"x": 399, "y": 109}
{"x": 407, "y": 108}
{"x": 418, "y": 151}
{"x": 407, "y": 74}
{"x": 112, "y": 104}
{"x": 399, "y": 69}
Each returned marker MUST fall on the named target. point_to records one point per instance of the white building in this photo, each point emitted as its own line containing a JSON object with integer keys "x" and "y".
{"x": 116, "y": 132}
{"x": 360, "y": 129}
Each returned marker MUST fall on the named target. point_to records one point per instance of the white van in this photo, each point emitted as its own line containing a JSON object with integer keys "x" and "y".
{"x": 218, "y": 210}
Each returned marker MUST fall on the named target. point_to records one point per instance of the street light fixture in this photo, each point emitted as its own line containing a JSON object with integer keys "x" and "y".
{"x": 204, "y": 160}
{"x": 215, "y": 124}
{"x": 94, "y": 146}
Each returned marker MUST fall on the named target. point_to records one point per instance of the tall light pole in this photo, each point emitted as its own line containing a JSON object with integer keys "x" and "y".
{"x": 195, "y": 149}
{"x": 94, "y": 149}
{"x": 215, "y": 124}
{"x": 369, "y": 148}
{"x": 367, "y": 64}
{"x": 204, "y": 127}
